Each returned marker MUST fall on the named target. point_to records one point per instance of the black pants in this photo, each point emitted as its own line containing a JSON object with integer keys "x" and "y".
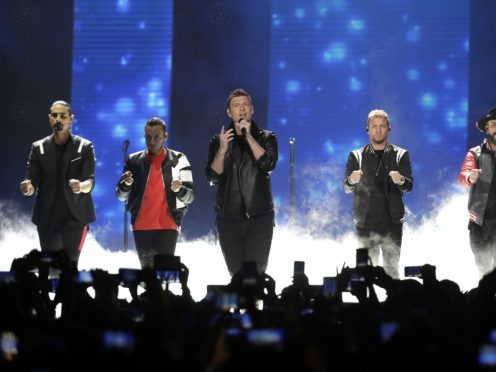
{"x": 152, "y": 242}
{"x": 70, "y": 239}
{"x": 483, "y": 244}
{"x": 248, "y": 239}
{"x": 388, "y": 239}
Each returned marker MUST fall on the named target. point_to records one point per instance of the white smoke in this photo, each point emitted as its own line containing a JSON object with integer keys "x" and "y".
{"x": 440, "y": 239}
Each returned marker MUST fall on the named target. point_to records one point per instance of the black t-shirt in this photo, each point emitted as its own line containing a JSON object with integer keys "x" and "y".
{"x": 61, "y": 215}
{"x": 239, "y": 147}
{"x": 378, "y": 213}
{"x": 490, "y": 213}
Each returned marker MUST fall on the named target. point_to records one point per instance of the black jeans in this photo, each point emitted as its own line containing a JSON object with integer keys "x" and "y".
{"x": 152, "y": 242}
{"x": 483, "y": 244}
{"x": 388, "y": 239}
{"x": 243, "y": 240}
{"x": 69, "y": 239}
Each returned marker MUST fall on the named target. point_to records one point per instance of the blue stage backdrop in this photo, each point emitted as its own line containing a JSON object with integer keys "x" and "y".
{"x": 121, "y": 77}
{"x": 334, "y": 61}
{"x": 331, "y": 63}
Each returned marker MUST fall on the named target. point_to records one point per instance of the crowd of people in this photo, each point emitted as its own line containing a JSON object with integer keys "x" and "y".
{"x": 54, "y": 317}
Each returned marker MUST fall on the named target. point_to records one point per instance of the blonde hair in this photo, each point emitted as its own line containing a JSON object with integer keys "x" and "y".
{"x": 377, "y": 113}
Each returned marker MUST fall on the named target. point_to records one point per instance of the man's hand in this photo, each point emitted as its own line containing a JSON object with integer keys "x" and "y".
{"x": 176, "y": 185}
{"x": 397, "y": 177}
{"x": 27, "y": 188}
{"x": 355, "y": 176}
{"x": 75, "y": 186}
{"x": 225, "y": 138}
{"x": 474, "y": 175}
{"x": 127, "y": 178}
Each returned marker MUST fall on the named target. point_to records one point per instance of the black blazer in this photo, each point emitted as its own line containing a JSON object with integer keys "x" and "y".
{"x": 78, "y": 163}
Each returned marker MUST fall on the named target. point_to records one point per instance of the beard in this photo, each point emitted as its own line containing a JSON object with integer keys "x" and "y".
{"x": 492, "y": 138}
{"x": 379, "y": 140}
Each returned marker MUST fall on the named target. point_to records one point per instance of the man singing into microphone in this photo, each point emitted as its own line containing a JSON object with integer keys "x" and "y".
{"x": 240, "y": 160}
{"x": 61, "y": 169}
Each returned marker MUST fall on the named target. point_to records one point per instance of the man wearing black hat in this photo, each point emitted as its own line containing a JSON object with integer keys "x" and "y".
{"x": 478, "y": 173}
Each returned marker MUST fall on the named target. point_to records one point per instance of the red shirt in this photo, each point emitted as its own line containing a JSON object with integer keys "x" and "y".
{"x": 154, "y": 212}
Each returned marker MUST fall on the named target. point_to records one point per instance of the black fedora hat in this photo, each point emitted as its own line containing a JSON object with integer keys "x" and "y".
{"x": 481, "y": 123}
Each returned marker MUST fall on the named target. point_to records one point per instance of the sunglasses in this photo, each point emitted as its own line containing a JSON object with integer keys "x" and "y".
{"x": 62, "y": 115}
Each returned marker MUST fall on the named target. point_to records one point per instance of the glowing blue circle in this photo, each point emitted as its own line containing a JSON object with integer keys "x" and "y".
{"x": 124, "y": 106}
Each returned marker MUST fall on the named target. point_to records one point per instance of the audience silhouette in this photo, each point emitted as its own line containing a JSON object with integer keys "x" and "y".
{"x": 54, "y": 317}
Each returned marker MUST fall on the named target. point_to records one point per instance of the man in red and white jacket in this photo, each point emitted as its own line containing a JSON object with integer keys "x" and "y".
{"x": 157, "y": 184}
{"x": 478, "y": 173}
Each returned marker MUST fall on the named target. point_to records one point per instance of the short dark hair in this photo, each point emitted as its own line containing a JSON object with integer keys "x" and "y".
{"x": 238, "y": 93}
{"x": 155, "y": 121}
{"x": 62, "y": 103}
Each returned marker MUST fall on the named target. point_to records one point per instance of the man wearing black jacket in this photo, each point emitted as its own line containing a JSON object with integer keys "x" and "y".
{"x": 61, "y": 170}
{"x": 478, "y": 174}
{"x": 378, "y": 174}
{"x": 157, "y": 184}
{"x": 240, "y": 160}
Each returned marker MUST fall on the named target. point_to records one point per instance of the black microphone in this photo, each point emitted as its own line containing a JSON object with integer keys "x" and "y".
{"x": 243, "y": 130}
{"x": 125, "y": 145}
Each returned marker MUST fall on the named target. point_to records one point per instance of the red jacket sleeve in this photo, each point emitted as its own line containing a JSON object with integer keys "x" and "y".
{"x": 468, "y": 164}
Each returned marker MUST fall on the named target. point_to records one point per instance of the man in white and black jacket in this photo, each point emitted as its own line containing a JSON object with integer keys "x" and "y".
{"x": 157, "y": 184}
{"x": 478, "y": 173}
{"x": 378, "y": 174}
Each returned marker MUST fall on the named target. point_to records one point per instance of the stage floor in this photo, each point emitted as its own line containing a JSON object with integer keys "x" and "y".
{"x": 440, "y": 240}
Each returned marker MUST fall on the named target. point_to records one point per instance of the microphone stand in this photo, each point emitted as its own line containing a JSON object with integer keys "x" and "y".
{"x": 291, "y": 181}
{"x": 125, "y": 146}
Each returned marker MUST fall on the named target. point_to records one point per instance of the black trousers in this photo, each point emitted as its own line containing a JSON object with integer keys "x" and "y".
{"x": 151, "y": 242}
{"x": 483, "y": 244}
{"x": 243, "y": 240}
{"x": 69, "y": 238}
{"x": 388, "y": 239}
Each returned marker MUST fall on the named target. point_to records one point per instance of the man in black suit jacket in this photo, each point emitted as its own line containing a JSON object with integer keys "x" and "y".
{"x": 61, "y": 170}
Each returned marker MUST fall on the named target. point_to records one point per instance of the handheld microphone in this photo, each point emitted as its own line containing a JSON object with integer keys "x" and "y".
{"x": 125, "y": 145}
{"x": 243, "y": 130}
